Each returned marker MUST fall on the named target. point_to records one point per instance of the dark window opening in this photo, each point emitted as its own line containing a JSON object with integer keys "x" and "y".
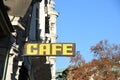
{"x": 47, "y": 25}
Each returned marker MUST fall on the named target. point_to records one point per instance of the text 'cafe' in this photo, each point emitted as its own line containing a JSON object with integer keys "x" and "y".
{"x": 49, "y": 49}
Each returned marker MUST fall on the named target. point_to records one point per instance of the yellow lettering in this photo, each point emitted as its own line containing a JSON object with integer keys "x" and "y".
{"x": 67, "y": 49}
{"x": 51, "y": 49}
{"x": 56, "y": 48}
{"x": 44, "y": 49}
{"x": 31, "y": 49}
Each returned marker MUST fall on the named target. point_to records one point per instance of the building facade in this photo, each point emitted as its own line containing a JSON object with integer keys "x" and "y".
{"x": 29, "y": 21}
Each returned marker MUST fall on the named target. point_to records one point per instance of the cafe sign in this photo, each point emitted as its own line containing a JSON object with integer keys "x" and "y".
{"x": 49, "y": 49}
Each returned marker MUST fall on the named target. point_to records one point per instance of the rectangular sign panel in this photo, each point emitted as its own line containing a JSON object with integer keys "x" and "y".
{"x": 49, "y": 49}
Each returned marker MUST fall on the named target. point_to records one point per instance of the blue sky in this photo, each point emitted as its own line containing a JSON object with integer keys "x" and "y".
{"x": 86, "y": 22}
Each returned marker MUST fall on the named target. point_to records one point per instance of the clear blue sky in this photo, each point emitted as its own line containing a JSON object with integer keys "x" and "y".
{"x": 86, "y": 22}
